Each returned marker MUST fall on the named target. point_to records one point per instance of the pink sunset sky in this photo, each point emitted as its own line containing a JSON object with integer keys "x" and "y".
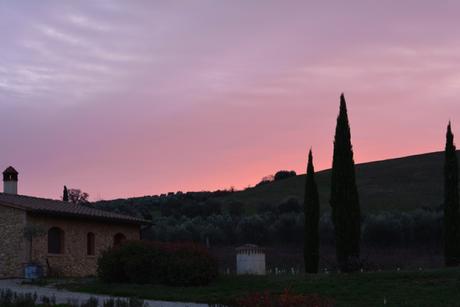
{"x": 132, "y": 98}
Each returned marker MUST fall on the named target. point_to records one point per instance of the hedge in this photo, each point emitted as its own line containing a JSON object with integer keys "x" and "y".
{"x": 175, "y": 264}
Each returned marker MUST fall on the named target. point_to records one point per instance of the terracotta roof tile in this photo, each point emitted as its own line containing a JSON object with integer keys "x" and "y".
{"x": 64, "y": 209}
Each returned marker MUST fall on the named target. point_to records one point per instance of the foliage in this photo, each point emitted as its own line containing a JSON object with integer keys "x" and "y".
{"x": 266, "y": 180}
{"x": 403, "y": 229}
{"x": 291, "y": 204}
{"x": 9, "y": 298}
{"x": 385, "y": 229}
{"x": 76, "y": 196}
{"x": 287, "y": 228}
{"x": 236, "y": 208}
{"x": 253, "y": 229}
{"x": 344, "y": 201}
{"x": 188, "y": 265}
{"x": 286, "y": 299}
{"x": 451, "y": 203}
{"x": 311, "y": 211}
{"x": 179, "y": 264}
{"x": 281, "y": 175}
{"x": 111, "y": 264}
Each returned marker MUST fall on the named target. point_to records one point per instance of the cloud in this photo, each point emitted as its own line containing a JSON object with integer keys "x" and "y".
{"x": 86, "y": 23}
{"x": 136, "y": 84}
{"x": 61, "y": 36}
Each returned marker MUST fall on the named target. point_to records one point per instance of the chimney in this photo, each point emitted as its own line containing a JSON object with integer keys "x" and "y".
{"x": 10, "y": 181}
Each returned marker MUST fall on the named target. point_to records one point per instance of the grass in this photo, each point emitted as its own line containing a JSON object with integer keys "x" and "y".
{"x": 420, "y": 288}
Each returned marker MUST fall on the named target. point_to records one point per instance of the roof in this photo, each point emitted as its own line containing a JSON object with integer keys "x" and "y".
{"x": 10, "y": 170}
{"x": 250, "y": 248}
{"x": 59, "y": 208}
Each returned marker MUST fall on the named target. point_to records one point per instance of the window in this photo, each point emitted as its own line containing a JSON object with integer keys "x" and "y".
{"x": 55, "y": 240}
{"x": 118, "y": 239}
{"x": 90, "y": 244}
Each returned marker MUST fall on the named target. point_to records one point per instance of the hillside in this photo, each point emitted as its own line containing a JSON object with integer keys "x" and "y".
{"x": 395, "y": 184}
{"x": 399, "y": 184}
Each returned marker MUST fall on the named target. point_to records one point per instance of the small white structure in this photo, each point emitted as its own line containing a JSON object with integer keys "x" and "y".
{"x": 250, "y": 259}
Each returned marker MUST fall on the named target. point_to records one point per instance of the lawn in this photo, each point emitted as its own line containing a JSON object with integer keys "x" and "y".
{"x": 420, "y": 288}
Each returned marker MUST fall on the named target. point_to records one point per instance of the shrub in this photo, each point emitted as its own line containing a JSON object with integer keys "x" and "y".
{"x": 263, "y": 208}
{"x": 253, "y": 229}
{"x": 291, "y": 204}
{"x": 416, "y": 228}
{"x": 9, "y": 298}
{"x": 189, "y": 265}
{"x": 236, "y": 208}
{"x": 284, "y": 175}
{"x": 287, "y": 299}
{"x": 135, "y": 262}
{"x": 177, "y": 264}
{"x": 288, "y": 228}
{"x": 110, "y": 265}
{"x": 382, "y": 229}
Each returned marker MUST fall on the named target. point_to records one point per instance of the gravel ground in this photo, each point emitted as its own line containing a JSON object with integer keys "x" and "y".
{"x": 64, "y": 296}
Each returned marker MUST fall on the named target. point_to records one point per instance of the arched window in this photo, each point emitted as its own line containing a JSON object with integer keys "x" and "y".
{"x": 118, "y": 239}
{"x": 55, "y": 240}
{"x": 90, "y": 244}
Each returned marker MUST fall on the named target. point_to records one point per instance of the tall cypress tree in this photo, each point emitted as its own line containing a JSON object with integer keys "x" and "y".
{"x": 451, "y": 203}
{"x": 311, "y": 210}
{"x": 65, "y": 194}
{"x": 346, "y": 214}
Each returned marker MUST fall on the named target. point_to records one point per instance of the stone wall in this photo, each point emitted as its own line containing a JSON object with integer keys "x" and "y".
{"x": 12, "y": 243}
{"x": 74, "y": 261}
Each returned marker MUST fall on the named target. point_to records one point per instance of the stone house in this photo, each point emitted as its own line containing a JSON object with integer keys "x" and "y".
{"x": 64, "y": 238}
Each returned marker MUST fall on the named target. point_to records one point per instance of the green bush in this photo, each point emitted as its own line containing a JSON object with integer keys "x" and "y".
{"x": 189, "y": 265}
{"x": 416, "y": 228}
{"x": 177, "y": 264}
{"x": 109, "y": 265}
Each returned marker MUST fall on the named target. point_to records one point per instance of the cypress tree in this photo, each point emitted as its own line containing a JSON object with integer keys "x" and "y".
{"x": 451, "y": 203}
{"x": 311, "y": 210}
{"x": 346, "y": 215}
{"x": 65, "y": 194}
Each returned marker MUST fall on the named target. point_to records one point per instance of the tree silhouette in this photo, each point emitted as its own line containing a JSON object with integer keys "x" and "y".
{"x": 76, "y": 196}
{"x": 65, "y": 194}
{"x": 344, "y": 201}
{"x": 451, "y": 203}
{"x": 311, "y": 210}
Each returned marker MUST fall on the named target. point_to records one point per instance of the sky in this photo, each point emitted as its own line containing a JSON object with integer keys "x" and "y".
{"x": 132, "y": 98}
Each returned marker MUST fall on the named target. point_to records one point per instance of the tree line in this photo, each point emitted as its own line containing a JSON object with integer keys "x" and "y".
{"x": 345, "y": 205}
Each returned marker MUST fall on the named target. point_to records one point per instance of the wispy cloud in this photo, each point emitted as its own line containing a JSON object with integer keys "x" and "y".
{"x": 102, "y": 88}
{"x": 89, "y": 24}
